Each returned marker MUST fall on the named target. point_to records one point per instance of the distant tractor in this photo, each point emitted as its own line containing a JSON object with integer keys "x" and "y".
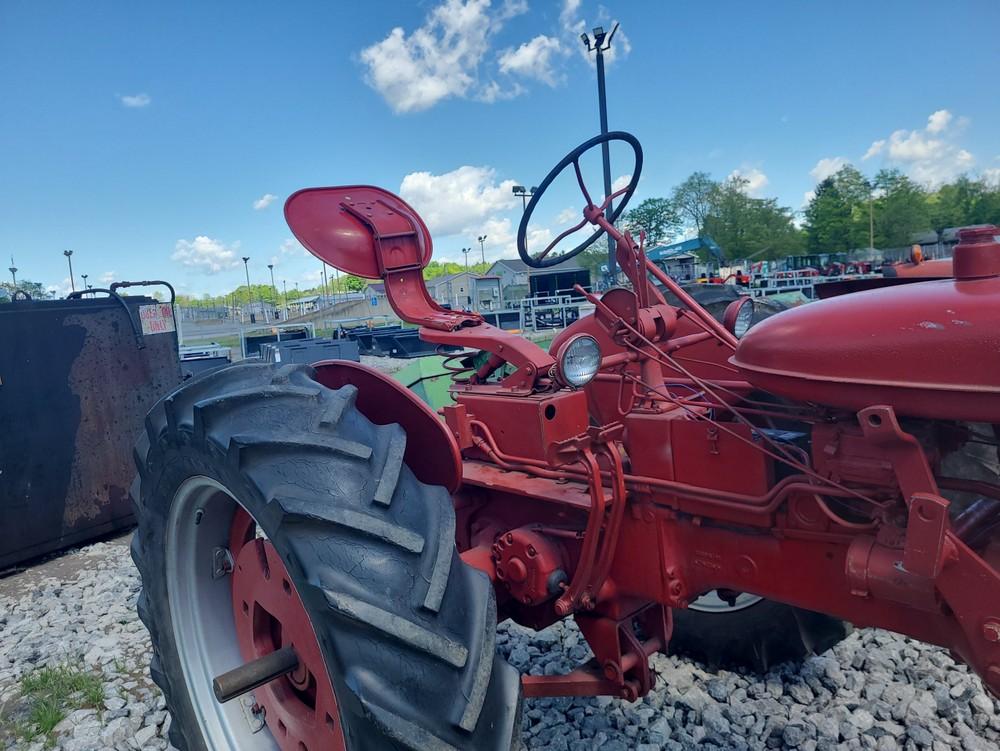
{"x": 324, "y": 560}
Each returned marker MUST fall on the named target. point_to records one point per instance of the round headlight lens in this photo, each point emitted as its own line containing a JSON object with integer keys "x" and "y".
{"x": 743, "y": 321}
{"x": 580, "y": 360}
{"x": 739, "y": 316}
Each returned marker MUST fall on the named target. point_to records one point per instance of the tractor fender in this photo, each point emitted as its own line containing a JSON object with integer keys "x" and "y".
{"x": 431, "y": 450}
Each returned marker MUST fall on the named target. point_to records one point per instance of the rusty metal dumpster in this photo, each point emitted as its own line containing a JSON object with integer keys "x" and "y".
{"x": 77, "y": 377}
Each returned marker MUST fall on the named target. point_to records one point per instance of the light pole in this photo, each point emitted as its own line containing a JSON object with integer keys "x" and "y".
{"x": 69, "y": 259}
{"x": 246, "y": 268}
{"x": 482, "y": 246}
{"x": 326, "y": 299}
{"x": 85, "y": 280}
{"x": 270, "y": 267}
{"x": 519, "y": 190}
{"x": 601, "y": 44}
{"x": 13, "y": 271}
{"x": 466, "y": 251}
{"x": 284, "y": 284}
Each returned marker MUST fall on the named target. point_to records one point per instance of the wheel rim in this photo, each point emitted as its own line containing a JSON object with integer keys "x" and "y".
{"x": 214, "y": 634}
{"x": 711, "y": 602}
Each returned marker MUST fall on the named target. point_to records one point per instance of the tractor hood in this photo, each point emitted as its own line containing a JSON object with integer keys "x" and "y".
{"x": 930, "y": 349}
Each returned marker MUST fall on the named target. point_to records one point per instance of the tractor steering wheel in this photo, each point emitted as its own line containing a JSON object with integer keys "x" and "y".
{"x": 540, "y": 261}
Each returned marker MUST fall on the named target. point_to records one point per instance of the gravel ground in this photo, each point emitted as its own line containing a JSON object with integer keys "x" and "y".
{"x": 873, "y": 691}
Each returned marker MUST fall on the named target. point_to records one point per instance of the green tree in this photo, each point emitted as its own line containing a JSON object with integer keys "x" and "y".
{"x": 828, "y": 220}
{"x": 747, "y": 227}
{"x": 656, "y": 216}
{"x": 901, "y": 210}
{"x": 35, "y": 289}
{"x": 354, "y": 283}
{"x": 856, "y": 191}
{"x": 694, "y": 199}
{"x": 963, "y": 202}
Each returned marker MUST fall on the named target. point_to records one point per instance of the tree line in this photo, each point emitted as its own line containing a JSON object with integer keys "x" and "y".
{"x": 847, "y": 211}
{"x": 334, "y": 286}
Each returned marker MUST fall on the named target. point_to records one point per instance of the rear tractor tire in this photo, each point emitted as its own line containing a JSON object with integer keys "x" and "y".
{"x": 273, "y": 514}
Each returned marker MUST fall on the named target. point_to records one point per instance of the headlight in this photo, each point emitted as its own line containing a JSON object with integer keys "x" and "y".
{"x": 579, "y": 360}
{"x": 739, "y": 316}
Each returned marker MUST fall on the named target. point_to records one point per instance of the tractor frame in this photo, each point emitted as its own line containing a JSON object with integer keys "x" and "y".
{"x": 659, "y": 481}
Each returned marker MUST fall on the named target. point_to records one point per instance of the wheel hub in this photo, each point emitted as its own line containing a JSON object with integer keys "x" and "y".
{"x": 300, "y": 708}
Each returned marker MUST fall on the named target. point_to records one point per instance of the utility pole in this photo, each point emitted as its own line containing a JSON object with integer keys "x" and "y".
{"x": 871, "y": 221}
{"x": 601, "y": 44}
{"x": 284, "y": 284}
{"x": 326, "y": 295}
{"x": 482, "y": 247}
{"x": 13, "y": 271}
{"x": 246, "y": 268}
{"x": 69, "y": 259}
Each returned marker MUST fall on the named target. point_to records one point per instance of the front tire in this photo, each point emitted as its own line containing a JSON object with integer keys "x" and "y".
{"x": 405, "y": 629}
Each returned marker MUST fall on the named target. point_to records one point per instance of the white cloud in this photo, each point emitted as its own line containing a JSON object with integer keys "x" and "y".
{"x": 441, "y": 58}
{"x": 136, "y": 100}
{"x": 938, "y": 121}
{"x": 874, "y": 150}
{"x": 929, "y": 155}
{"x": 756, "y": 180}
{"x": 537, "y": 238}
{"x": 912, "y": 145}
{"x": 534, "y": 59}
{"x": 620, "y": 182}
{"x": 292, "y": 247}
{"x": 569, "y": 216}
{"x": 206, "y": 255}
{"x": 63, "y": 288}
{"x": 107, "y": 277}
{"x": 457, "y": 200}
{"x": 312, "y": 278}
{"x": 826, "y": 167}
{"x": 992, "y": 175}
{"x": 807, "y": 197}
{"x": 264, "y": 201}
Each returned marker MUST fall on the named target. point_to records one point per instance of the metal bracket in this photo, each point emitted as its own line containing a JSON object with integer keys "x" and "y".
{"x": 923, "y": 552}
{"x": 222, "y": 563}
{"x": 253, "y": 713}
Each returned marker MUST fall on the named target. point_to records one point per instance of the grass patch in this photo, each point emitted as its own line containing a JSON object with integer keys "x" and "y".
{"x": 51, "y": 693}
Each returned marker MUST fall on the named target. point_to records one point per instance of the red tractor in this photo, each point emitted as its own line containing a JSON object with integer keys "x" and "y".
{"x": 324, "y": 559}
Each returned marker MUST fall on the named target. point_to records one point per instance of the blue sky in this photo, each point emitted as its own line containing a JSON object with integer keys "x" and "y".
{"x": 143, "y": 136}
